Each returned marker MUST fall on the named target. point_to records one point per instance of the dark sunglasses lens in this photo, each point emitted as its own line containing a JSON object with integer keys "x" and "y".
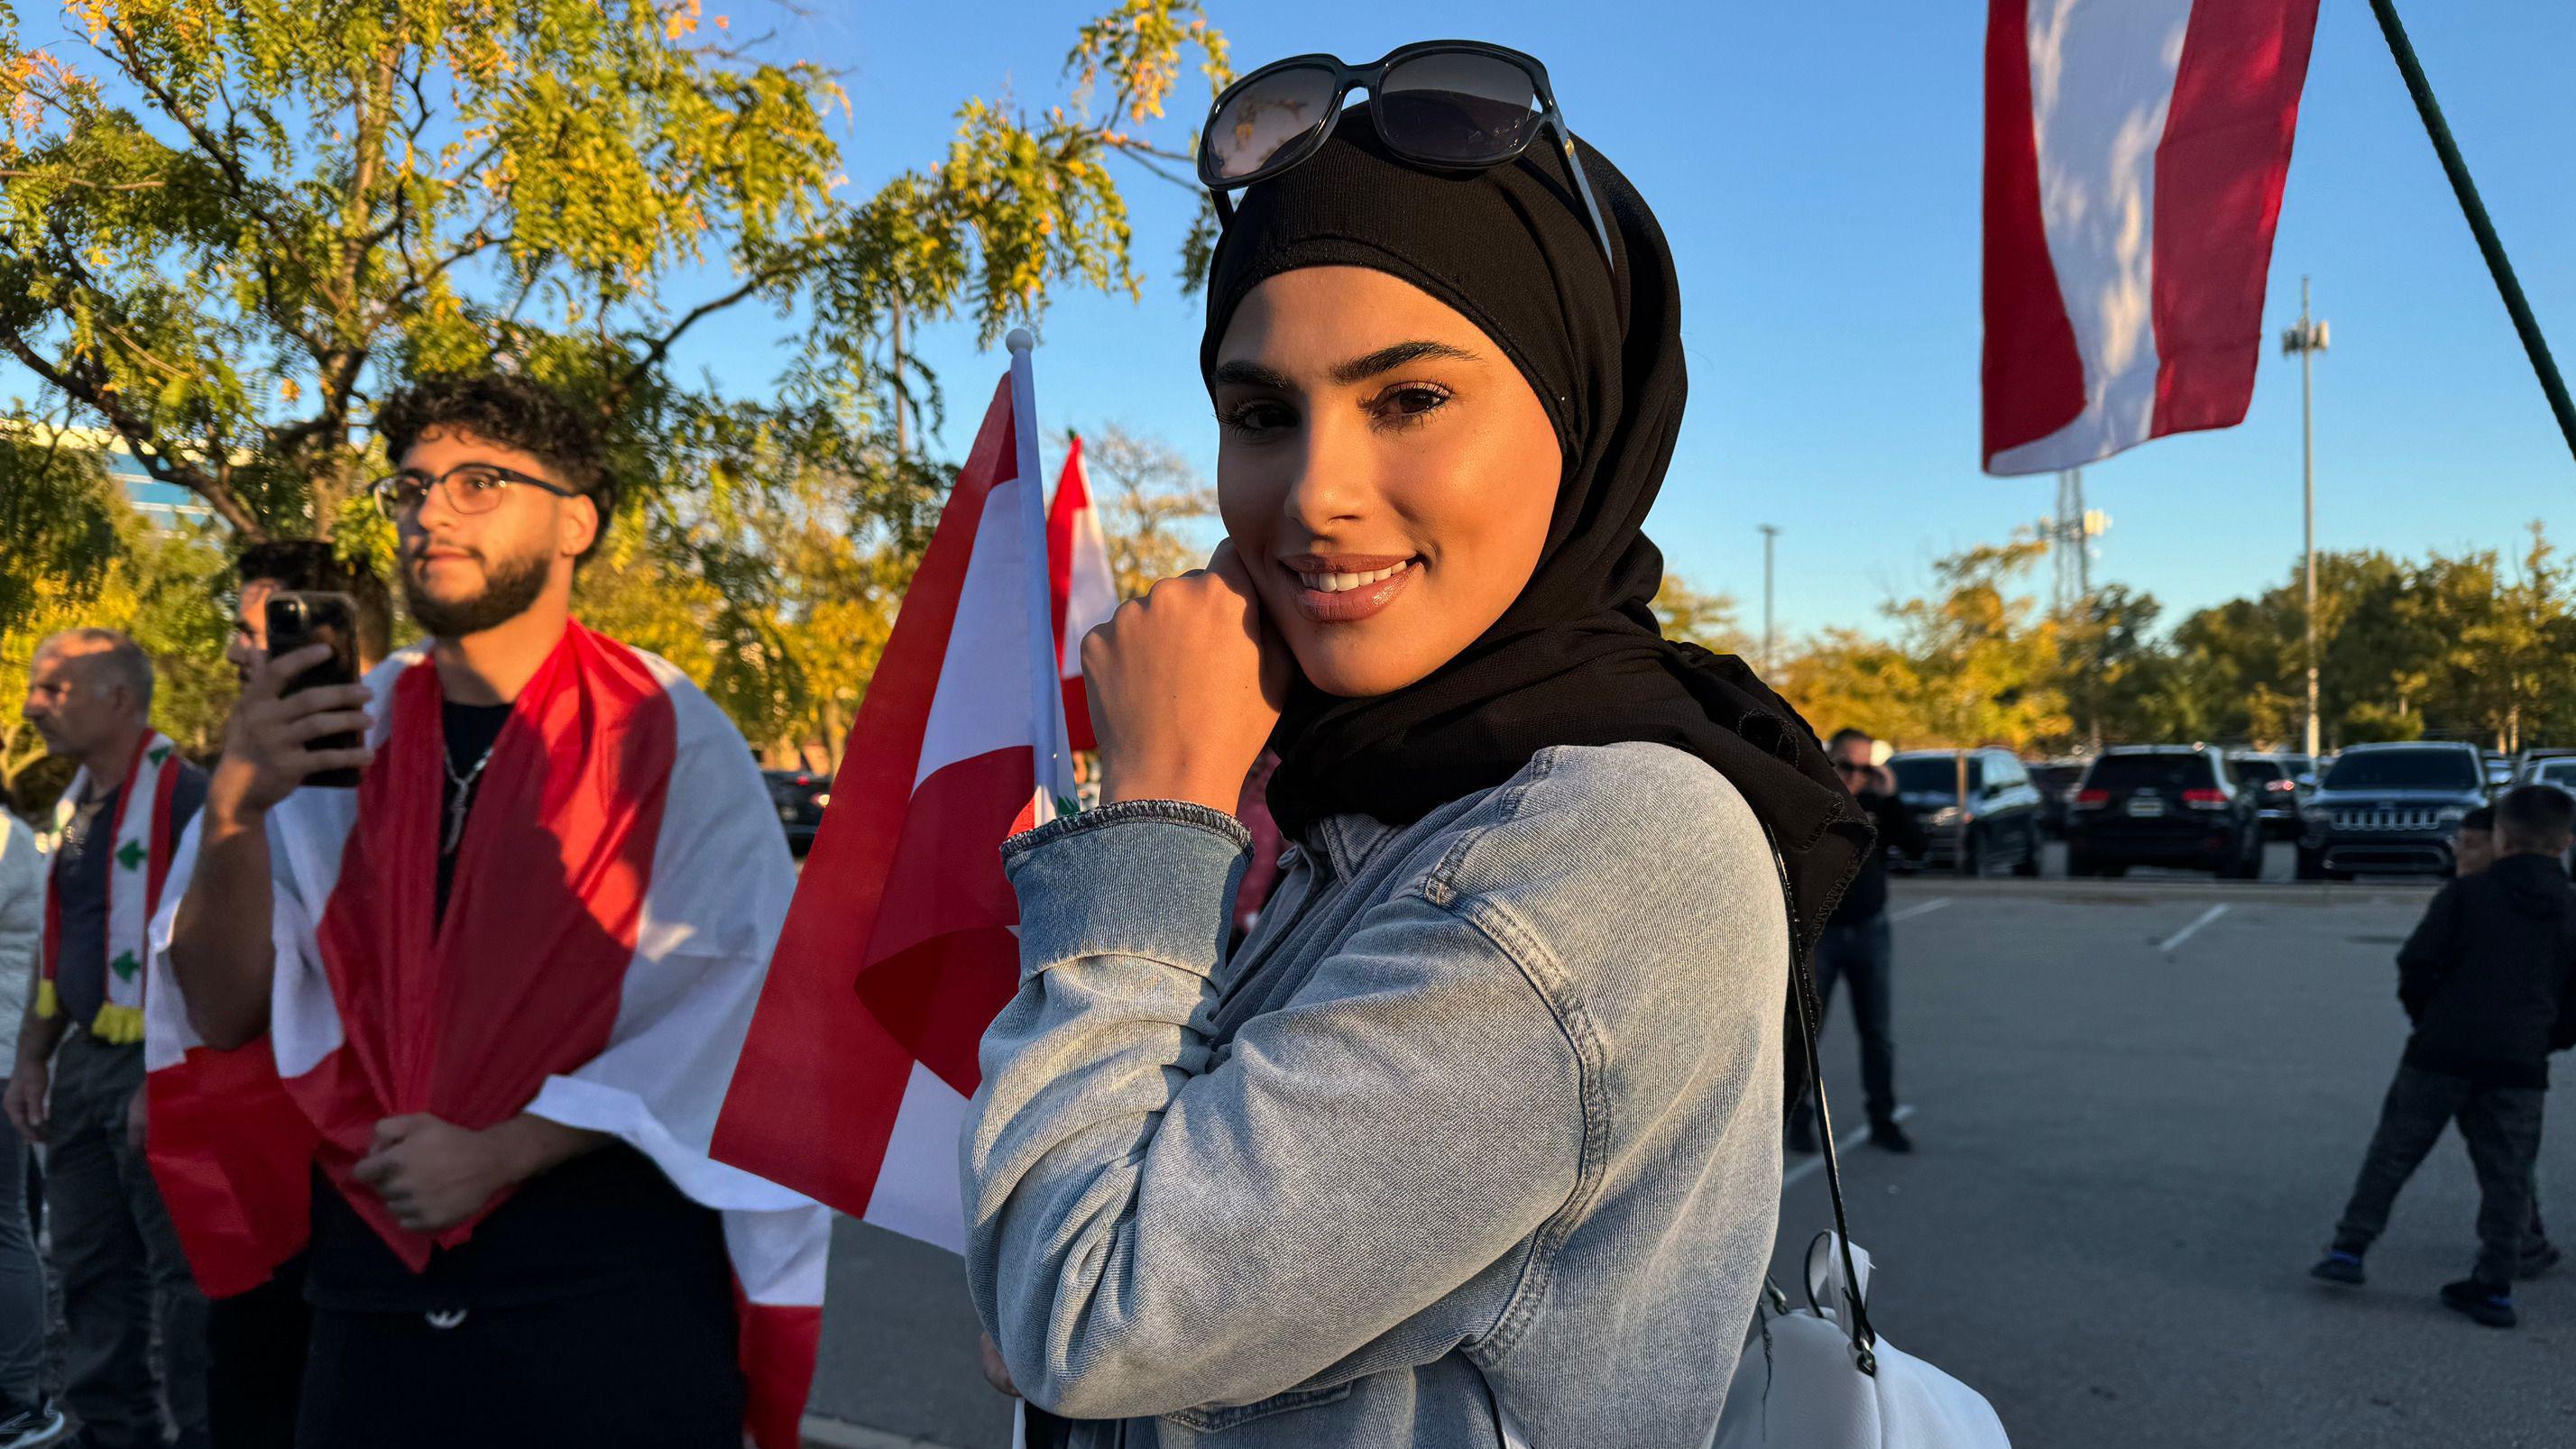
{"x": 1456, "y": 107}
{"x": 1263, "y": 118}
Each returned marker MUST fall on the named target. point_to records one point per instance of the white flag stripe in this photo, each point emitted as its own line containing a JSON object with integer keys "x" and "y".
{"x": 983, "y": 702}
{"x": 917, "y": 1192}
{"x": 2101, "y": 80}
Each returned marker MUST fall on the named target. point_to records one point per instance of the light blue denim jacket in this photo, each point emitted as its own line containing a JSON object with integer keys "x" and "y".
{"x": 1481, "y": 1124}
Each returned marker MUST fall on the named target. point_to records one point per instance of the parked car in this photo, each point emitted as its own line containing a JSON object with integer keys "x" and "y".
{"x": 2280, "y": 783}
{"x": 2000, "y": 824}
{"x": 2055, "y": 780}
{"x": 2499, "y": 768}
{"x": 800, "y": 796}
{"x": 2390, "y": 807}
{"x": 2165, "y": 805}
{"x": 2546, "y": 767}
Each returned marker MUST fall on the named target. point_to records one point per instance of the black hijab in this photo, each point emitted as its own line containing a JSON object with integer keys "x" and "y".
{"x": 1577, "y": 659}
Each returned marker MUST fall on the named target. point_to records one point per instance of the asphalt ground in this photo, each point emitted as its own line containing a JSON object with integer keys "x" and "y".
{"x": 2137, "y": 1118}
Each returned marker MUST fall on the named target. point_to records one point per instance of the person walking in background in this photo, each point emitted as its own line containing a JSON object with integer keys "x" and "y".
{"x": 2489, "y": 979}
{"x": 1858, "y": 945}
{"x": 27, "y": 1419}
{"x": 89, "y": 693}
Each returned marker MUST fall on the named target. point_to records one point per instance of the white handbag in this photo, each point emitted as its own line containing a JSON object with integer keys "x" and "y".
{"x": 1820, "y": 1377}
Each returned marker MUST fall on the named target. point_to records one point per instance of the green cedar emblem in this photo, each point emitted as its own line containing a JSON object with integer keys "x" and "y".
{"x": 130, "y": 854}
{"x": 125, "y": 965}
{"x": 158, "y": 753}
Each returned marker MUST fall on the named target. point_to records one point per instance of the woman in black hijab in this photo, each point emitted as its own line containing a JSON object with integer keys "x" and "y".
{"x": 1475, "y": 1139}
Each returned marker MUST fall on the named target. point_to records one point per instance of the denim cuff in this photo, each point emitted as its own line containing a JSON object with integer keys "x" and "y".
{"x": 1153, "y": 879}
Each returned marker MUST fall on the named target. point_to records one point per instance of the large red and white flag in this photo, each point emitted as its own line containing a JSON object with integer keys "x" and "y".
{"x": 1081, "y": 590}
{"x": 2135, "y": 154}
{"x": 619, "y": 886}
{"x": 903, "y": 940}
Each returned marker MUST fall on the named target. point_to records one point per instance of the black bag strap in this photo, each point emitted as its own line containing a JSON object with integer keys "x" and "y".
{"x": 1810, "y": 1011}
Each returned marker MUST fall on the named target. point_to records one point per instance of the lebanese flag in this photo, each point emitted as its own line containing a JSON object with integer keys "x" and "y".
{"x": 618, "y": 888}
{"x": 1081, "y": 591}
{"x": 2135, "y": 153}
{"x": 903, "y": 940}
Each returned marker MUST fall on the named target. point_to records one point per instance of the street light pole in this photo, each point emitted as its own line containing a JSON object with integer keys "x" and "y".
{"x": 2307, "y": 339}
{"x": 1770, "y": 535}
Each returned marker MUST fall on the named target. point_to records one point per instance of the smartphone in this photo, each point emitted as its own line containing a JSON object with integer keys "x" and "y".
{"x": 298, "y": 619}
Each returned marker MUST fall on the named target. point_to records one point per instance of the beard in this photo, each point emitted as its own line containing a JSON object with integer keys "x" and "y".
{"x": 509, "y": 587}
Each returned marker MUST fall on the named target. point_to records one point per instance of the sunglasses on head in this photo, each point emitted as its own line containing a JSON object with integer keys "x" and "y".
{"x": 1448, "y": 105}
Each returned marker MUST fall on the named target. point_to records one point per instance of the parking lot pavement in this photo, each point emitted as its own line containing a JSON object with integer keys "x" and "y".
{"x": 2137, "y": 1118}
{"x": 2131, "y": 1147}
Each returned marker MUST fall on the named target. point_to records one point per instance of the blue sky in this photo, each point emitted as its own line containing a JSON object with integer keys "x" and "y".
{"x": 1817, "y": 168}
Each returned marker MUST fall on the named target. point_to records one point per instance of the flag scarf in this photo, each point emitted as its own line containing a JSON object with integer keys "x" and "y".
{"x": 1081, "y": 591}
{"x": 138, "y": 866}
{"x": 617, "y": 892}
{"x": 2135, "y": 155}
{"x": 902, "y": 943}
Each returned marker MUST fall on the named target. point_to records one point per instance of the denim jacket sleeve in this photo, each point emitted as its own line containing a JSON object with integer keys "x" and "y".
{"x": 1147, "y": 1232}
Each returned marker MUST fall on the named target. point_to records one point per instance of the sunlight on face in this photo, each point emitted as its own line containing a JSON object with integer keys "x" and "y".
{"x": 1385, "y": 472}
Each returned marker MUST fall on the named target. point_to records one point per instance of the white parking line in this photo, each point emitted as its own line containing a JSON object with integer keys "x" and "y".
{"x": 1925, "y": 909}
{"x": 2185, "y": 934}
{"x": 1850, "y": 1141}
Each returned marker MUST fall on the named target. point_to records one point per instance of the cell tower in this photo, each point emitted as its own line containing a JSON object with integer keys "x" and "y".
{"x": 2071, "y": 537}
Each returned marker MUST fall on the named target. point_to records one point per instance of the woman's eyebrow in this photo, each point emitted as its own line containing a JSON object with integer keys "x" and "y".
{"x": 1250, "y": 374}
{"x": 1387, "y": 359}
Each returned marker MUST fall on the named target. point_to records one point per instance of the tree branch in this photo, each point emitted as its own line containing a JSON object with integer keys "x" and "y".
{"x": 85, "y": 387}
{"x": 660, "y": 348}
{"x": 13, "y": 174}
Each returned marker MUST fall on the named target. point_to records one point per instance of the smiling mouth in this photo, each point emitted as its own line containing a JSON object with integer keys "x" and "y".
{"x": 1345, "y": 588}
{"x": 1343, "y": 583}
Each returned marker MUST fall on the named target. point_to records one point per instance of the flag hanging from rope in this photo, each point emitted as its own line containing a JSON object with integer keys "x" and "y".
{"x": 2135, "y": 155}
{"x": 902, "y": 941}
{"x": 1081, "y": 588}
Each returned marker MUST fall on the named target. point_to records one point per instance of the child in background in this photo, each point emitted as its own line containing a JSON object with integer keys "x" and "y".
{"x": 2489, "y": 979}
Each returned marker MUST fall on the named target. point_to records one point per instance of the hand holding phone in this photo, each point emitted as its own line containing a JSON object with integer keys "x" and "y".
{"x": 297, "y": 620}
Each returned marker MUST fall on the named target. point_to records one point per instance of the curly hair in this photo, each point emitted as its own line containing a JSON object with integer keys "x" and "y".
{"x": 515, "y": 412}
{"x": 312, "y": 564}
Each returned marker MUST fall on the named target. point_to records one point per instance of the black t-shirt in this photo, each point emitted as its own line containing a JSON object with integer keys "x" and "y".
{"x": 604, "y": 1219}
{"x": 81, "y": 867}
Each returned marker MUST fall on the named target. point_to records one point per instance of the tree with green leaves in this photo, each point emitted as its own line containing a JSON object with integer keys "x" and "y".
{"x": 233, "y": 225}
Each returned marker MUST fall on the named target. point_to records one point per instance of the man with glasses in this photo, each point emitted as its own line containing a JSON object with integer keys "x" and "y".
{"x": 77, "y": 1086}
{"x": 493, "y": 977}
{"x": 1858, "y": 945}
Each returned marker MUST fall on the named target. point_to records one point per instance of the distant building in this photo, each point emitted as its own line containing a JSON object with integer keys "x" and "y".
{"x": 165, "y": 507}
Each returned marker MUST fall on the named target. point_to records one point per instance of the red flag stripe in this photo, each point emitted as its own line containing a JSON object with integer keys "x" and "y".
{"x": 2220, "y": 171}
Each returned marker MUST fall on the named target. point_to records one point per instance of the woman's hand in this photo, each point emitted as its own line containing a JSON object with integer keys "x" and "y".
{"x": 1185, "y": 686}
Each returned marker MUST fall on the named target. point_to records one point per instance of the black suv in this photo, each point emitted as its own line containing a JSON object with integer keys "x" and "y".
{"x": 2001, "y": 825}
{"x": 2390, "y": 807}
{"x": 799, "y": 796}
{"x": 2164, "y": 805}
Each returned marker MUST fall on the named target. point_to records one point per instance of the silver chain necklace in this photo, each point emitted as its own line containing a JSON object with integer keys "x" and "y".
{"x": 463, "y": 796}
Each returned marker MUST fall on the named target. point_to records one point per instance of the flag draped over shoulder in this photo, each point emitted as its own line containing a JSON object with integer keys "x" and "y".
{"x": 618, "y": 890}
{"x": 1080, "y": 587}
{"x": 2135, "y": 156}
{"x": 902, "y": 943}
{"x": 139, "y": 849}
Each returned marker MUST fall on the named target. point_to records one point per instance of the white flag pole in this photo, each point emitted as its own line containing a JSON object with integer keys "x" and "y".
{"x": 1054, "y": 770}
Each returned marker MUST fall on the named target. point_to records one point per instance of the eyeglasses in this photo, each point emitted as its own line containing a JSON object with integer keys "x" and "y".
{"x": 1854, "y": 767}
{"x": 1452, "y": 105}
{"x": 471, "y": 488}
